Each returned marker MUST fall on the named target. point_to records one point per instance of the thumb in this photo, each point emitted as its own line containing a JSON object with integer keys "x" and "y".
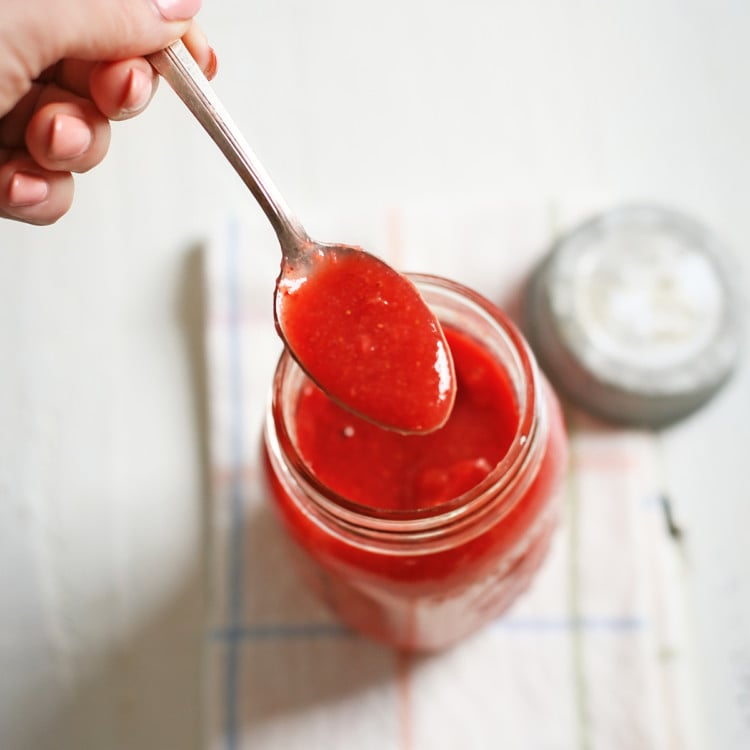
{"x": 108, "y": 29}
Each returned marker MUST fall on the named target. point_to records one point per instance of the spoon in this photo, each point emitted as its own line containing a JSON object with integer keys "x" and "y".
{"x": 360, "y": 330}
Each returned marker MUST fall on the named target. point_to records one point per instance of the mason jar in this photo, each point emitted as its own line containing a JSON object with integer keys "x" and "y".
{"x": 423, "y": 575}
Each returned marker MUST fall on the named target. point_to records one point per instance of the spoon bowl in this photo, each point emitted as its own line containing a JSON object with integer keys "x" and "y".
{"x": 360, "y": 330}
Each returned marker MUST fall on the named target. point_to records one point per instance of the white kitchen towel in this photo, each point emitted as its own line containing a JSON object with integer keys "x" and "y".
{"x": 594, "y": 656}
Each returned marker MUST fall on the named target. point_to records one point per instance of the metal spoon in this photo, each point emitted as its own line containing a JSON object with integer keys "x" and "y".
{"x": 301, "y": 256}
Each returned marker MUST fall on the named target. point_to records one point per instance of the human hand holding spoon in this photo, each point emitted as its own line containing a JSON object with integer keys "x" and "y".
{"x": 360, "y": 330}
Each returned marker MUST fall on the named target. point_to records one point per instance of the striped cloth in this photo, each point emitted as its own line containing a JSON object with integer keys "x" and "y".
{"x": 595, "y": 655}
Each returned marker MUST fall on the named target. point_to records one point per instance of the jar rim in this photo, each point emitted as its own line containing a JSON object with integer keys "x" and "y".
{"x": 430, "y": 519}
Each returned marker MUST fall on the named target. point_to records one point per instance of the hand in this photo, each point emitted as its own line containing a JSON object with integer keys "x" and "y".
{"x": 66, "y": 70}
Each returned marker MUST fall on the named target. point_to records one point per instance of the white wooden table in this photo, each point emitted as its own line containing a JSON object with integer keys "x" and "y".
{"x": 103, "y": 487}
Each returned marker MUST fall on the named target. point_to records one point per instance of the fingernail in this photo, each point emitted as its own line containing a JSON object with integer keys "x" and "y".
{"x": 213, "y": 64}
{"x": 178, "y": 10}
{"x": 26, "y": 190}
{"x": 138, "y": 91}
{"x": 69, "y": 137}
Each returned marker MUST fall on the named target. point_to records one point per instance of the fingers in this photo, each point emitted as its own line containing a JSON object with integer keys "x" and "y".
{"x": 67, "y": 133}
{"x": 30, "y": 193}
{"x": 197, "y": 43}
{"x": 123, "y": 89}
{"x": 61, "y": 125}
{"x": 63, "y": 133}
{"x": 115, "y": 30}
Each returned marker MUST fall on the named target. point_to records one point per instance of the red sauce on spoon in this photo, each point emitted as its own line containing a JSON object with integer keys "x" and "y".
{"x": 364, "y": 334}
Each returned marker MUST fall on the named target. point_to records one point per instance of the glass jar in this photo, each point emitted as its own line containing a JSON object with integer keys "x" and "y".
{"x": 424, "y": 578}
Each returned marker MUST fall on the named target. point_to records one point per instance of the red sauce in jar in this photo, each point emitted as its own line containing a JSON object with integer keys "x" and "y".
{"x": 387, "y": 470}
{"x": 363, "y": 332}
{"x": 419, "y": 540}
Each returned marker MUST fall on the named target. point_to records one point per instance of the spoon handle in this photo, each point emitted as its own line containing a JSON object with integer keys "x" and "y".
{"x": 177, "y": 66}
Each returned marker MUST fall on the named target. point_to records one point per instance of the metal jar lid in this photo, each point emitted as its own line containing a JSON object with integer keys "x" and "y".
{"x": 633, "y": 315}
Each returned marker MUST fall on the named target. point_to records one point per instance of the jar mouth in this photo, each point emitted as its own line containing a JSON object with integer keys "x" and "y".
{"x": 453, "y": 304}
